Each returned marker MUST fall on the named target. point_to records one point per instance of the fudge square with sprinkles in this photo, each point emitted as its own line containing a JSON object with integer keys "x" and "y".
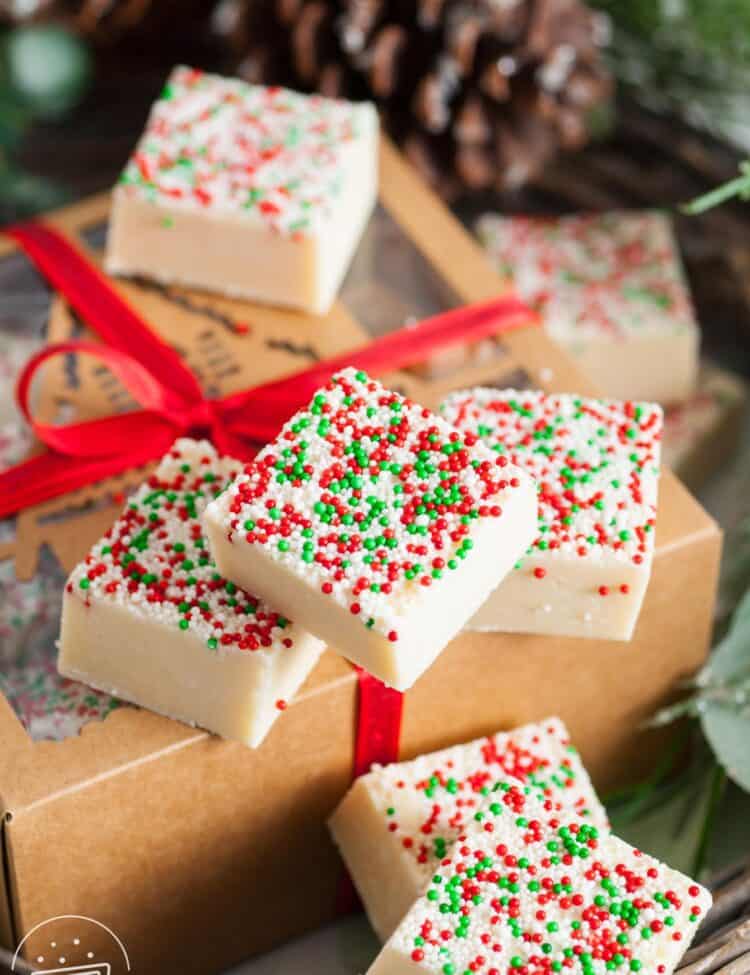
{"x": 596, "y": 465}
{"x": 147, "y": 618}
{"x": 375, "y": 524}
{"x": 251, "y": 191}
{"x": 611, "y": 291}
{"x": 532, "y": 891}
{"x": 397, "y": 823}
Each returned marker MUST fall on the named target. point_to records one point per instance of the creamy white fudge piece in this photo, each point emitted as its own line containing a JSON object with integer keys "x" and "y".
{"x": 530, "y": 891}
{"x": 611, "y": 291}
{"x": 596, "y": 465}
{"x": 253, "y": 192}
{"x": 396, "y": 824}
{"x": 147, "y": 618}
{"x": 375, "y": 524}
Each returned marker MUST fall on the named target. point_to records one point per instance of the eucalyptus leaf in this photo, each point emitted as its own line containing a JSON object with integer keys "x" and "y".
{"x": 728, "y": 733}
{"x": 735, "y": 570}
{"x": 726, "y": 723}
{"x": 731, "y": 658}
{"x": 675, "y": 827}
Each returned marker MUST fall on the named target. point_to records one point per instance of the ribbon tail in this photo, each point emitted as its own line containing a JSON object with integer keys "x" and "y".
{"x": 107, "y": 436}
{"x": 378, "y": 724}
{"x": 379, "y": 713}
{"x": 52, "y": 474}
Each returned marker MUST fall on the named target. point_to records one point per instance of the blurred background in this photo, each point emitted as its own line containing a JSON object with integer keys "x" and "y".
{"x": 523, "y": 106}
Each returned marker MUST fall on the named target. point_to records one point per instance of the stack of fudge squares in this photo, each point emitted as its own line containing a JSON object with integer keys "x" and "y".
{"x": 496, "y": 857}
{"x": 375, "y": 527}
{"x": 381, "y": 530}
{"x": 611, "y": 291}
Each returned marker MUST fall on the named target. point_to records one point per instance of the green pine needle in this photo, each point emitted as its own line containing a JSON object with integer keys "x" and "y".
{"x": 739, "y": 187}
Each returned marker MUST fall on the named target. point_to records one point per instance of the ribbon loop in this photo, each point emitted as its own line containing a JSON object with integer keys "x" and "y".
{"x": 94, "y": 438}
{"x": 102, "y": 307}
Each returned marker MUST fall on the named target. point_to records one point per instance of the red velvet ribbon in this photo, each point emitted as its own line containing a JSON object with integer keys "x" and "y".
{"x": 376, "y": 741}
{"x": 378, "y": 724}
{"x": 172, "y": 402}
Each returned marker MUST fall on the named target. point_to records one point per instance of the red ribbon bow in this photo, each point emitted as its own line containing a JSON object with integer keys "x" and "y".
{"x": 172, "y": 402}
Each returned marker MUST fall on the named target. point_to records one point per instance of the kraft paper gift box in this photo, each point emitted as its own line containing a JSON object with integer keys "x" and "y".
{"x": 199, "y": 852}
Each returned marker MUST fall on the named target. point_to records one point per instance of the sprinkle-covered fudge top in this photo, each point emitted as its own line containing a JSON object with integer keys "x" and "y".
{"x": 595, "y": 462}
{"x": 607, "y": 276}
{"x": 427, "y": 802}
{"x": 155, "y": 560}
{"x": 269, "y": 154}
{"x": 527, "y": 891}
{"x": 369, "y": 497}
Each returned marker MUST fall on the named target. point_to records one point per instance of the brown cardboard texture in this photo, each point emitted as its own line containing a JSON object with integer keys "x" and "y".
{"x": 198, "y": 852}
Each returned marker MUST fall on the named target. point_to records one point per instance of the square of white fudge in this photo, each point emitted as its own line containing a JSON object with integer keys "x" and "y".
{"x": 611, "y": 290}
{"x": 596, "y": 466}
{"x": 147, "y": 618}
{"x": 253, "y": 192}
{"x": 529, "y": 891}
{"x": 399, "y": 822}
{"x": 374, "y": 523}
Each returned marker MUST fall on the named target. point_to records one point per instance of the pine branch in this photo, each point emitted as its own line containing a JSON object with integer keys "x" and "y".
{"x": 714, "y": 28}
{"x": 691, "y": 58}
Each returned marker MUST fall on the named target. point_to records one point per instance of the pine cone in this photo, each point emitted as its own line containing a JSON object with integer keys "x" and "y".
{"x": 479, "y": 93}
